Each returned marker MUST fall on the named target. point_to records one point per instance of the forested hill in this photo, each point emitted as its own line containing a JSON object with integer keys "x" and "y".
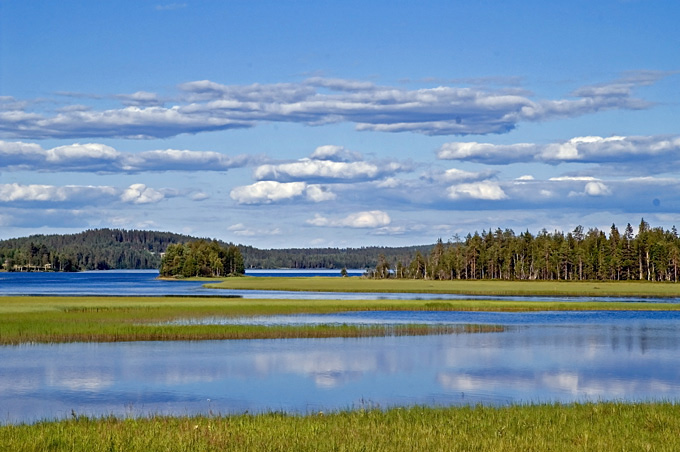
{"x": 366, "y": 257}
{"x": 103, "y": 249}
{"x": 97, "y": 249}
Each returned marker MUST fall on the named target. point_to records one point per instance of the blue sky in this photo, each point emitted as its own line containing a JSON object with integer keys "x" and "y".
{"x": 314, "y": 124}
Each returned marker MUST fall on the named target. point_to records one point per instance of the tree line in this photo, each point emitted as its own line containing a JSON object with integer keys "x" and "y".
{"x": 96, "y": 249}
{"x": 651, "y": 254}
{"x": 202, "y": 258}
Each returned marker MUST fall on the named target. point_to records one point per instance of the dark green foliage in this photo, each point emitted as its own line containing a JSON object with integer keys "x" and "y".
{"x": 311, "y": 258}
{"x": 651, "y": 255}
{"x": 103, "y": 249}
{"x": 100, "y": 249}
{"x": 202, "y": 258}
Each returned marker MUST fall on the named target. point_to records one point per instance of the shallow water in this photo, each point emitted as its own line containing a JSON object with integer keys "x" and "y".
{"x": 537, "y": 358}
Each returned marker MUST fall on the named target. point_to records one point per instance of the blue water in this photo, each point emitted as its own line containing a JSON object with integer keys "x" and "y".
{"x": 547, "y": 359}
{"x": 537, "y": 357}
{"x": 145, "y": 283}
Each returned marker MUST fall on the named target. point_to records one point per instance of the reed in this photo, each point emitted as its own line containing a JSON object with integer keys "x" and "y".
{"x": 578, "y": 427}
{"x": 110, "y": 319}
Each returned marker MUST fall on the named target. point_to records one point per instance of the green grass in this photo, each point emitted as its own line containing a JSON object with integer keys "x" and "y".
{"x": 545, "y": 288}
{"x": 579, "y": 427}
{"x": 110, "y": 319}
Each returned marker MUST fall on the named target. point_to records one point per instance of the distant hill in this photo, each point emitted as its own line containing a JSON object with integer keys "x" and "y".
{"x": 104, "y": 249}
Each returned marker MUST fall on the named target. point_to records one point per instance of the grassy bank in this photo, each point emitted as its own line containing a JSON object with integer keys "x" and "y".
{"x": 580, "y": 427}
{"x": 521, "y": 288}
{"x": 110, "y": 319}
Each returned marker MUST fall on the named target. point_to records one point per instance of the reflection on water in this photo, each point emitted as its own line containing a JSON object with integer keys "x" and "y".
{"x": 635, "y": 359}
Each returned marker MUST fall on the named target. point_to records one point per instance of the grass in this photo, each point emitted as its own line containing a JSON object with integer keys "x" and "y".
{"x": 468, "y": 287}
{"x": 578, "y": 427}
{"x": 111, "y": 319}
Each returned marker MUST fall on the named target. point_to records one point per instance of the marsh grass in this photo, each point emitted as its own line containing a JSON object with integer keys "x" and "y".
{"x": 469, "y": 287}
{"x": 578, "y": 427}
{"x": 111, "y": 319}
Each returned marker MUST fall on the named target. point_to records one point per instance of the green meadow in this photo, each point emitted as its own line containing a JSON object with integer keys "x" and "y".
{"x": 578, "y": 427}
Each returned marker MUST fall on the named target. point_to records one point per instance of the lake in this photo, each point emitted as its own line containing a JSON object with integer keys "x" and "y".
{"x": 537, "y": 357}
{"x": 145, "y": 283}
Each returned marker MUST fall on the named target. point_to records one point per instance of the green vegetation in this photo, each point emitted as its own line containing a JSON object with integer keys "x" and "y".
{"x": 578, "y": 427}
{"x": 100, "y": 249}
{"x": 110, "y": 319}
{"x": 202, "y": 258}
{"x": 466, "y": 287}
{"x": 103, "y": 249}
{"x": 651, "y": 255}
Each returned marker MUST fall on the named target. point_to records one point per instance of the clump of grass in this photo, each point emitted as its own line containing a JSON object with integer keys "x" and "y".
{"x": 586, "y": 427}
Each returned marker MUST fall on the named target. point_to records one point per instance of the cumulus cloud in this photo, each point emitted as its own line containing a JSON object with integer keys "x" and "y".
{"x": 11, "y": 193}
{"x": 596, "y": 189}
{"x": 367, "y": 219}
{"x": 485, "y": 190}
{"x": 208, "y": 106}
{"x": 267, "y": 192}
{"x": 335, "y": 154}
{"x": 306, "y": 169}
{"x": 586, "y": 149}
{"x": 102, "y": 158}
{"x": 329, "y": 164}
{"x": 141, "y": 194}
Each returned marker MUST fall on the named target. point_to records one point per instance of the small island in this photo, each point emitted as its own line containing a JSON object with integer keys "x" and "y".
{"x": 201, "y": 258}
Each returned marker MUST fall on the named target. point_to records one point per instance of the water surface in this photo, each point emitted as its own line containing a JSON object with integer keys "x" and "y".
{"x": 145, "y": 283}
{"x": 539, "y": 357}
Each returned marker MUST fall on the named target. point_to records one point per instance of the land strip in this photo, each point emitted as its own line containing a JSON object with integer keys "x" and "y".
{"x": 583, "y": 427}
{"x": 25, "y": 319}
{"x": 641, "y": 289}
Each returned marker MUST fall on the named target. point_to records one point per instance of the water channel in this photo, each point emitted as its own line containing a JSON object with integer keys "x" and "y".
{"x": 537, "y": 357}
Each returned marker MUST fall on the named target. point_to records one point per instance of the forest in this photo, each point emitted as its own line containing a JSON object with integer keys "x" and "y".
{"x": 106, "y": 249}
{"x": 653, "y": 254}
{"x": 202, "y": 258}
{"x": 650, "y": 254}
{"x": 98, "y": 249}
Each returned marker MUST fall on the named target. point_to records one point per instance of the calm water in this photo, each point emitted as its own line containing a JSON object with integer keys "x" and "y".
{"x": 144, "y": 283}
{"x": 539, "y": 357}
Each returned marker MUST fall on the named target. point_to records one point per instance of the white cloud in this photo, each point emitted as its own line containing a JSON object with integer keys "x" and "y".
{"x": 49, "y": 193}
{"x": 102, "y": 158}
{"x": 596, "y": 189}
{"x": 335, "y": 153}
{"x": 485, "y": 190}
{"x": 317, "y": 194}
{"x": 587, "y": 149}
{"x": 141, "y": 194}
{"x": 77, "y": 153}
{"x": 210, "y": 106}
{"x": 317, "y": 169}
{"x": 265, "y": 192}
{"x": 457, "y": 175}
{"x": 242, "y": 230}
{"x": 367, "y": 219}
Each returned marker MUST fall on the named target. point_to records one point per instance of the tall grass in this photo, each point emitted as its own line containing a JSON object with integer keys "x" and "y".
{"x": 110, "y": 319}
{"x": 579, "y": 427}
